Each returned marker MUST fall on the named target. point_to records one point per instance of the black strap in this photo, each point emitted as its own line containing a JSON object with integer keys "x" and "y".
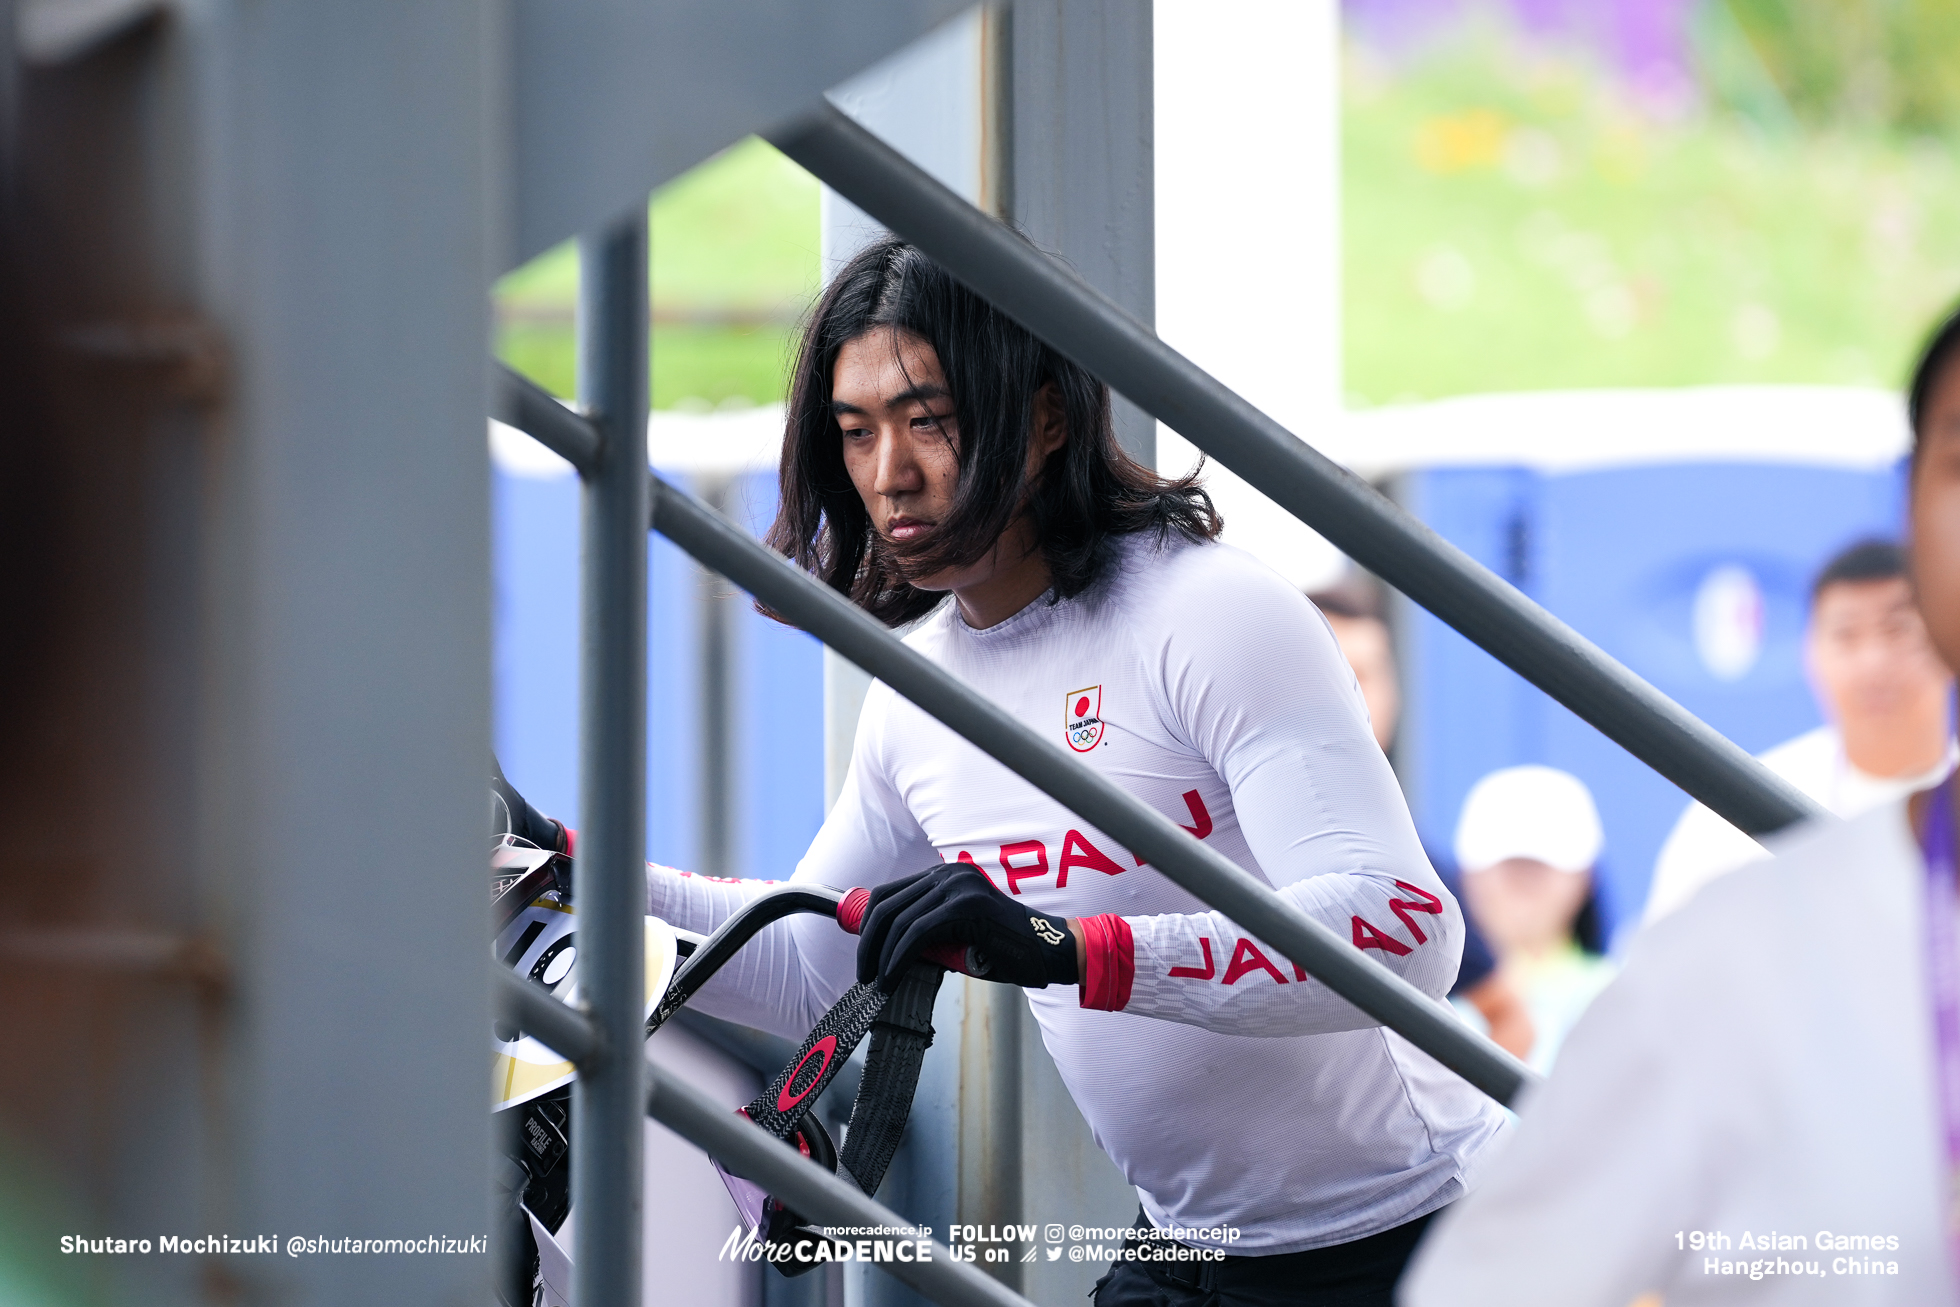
{"x": 899, "y": 1040}
{"x": 900, "y": 1026}
{"x": 797, "y": 1087}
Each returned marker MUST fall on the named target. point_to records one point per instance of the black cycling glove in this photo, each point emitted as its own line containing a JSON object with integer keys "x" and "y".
{"x": 510, "y": 814}
{"x": 954, "y": 903}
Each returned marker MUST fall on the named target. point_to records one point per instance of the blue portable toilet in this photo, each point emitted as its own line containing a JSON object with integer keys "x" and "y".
{"x": 1678, "y": 530}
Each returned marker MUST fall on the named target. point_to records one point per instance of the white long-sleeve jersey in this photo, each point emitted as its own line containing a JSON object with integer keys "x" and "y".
{"x": 1230, "y": 1088}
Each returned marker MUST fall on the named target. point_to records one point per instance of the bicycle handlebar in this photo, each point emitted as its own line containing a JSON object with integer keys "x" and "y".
{"x": 772, "y": 906}
{"x": 766, "y": 908}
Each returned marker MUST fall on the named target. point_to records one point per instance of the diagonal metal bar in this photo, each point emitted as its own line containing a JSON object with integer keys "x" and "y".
{"x": 1050, "y": 301}
{"x": 725, "y": 547}
{"x": 533, "y": 1010}
{"x": 522, "y": 403}
{"x": 810, "y": 1191}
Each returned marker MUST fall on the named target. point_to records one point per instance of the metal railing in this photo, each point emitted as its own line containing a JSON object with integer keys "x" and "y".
{"x": 721, "y": 545}
{"x": 810, "y": 1190}
{"x": 616, "y": 1087}
{"x": 1047, "y": 299}
{"x": 623, "y": 499}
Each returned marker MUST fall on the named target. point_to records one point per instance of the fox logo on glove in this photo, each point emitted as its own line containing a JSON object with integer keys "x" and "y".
{"x": 1050, "y": 933}
{"x": 1083, "y": 713}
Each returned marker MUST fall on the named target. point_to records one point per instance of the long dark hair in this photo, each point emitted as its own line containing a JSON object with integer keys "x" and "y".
{"x": 1087, "y": 492}
{"x": 1932, "y": 362}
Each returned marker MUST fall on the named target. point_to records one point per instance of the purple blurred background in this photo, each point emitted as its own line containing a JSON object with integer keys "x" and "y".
{"x": 1648, "y": 43}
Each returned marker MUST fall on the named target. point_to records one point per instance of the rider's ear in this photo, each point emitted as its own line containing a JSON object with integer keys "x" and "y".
{"x": 1050, "y": 431}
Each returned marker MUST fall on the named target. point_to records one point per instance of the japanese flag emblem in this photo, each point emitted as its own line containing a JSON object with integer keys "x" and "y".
{"x": 1083, "y": 713}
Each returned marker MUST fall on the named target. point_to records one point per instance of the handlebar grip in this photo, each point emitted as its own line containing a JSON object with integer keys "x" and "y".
{"x": 953, "y": 957}
{"x": 851, "y": 909}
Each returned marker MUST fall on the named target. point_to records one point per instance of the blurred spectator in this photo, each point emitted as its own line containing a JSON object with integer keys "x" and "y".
{"x": 1765, "y": 1107}
{"x": 1354, "y": 612}
{"x": 1884, "y": 694}
{"x": 1527, "y": 841}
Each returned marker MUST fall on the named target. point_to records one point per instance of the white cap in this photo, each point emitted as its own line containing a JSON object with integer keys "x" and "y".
{"x": 1529, "y": 812}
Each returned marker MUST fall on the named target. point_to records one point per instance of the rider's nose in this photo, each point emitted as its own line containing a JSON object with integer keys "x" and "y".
{"x": 898, "y": 471}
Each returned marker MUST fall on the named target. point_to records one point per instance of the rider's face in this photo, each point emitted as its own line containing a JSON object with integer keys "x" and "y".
{"x": 901, "y": 438}
{"x": 902, "y": 451}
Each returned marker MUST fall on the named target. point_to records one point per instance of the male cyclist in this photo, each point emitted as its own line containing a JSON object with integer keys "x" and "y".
{"x": 943, "y": 466}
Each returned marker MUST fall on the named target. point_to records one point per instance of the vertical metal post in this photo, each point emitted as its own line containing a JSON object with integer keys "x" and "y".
{"x": 610, "y": 1098}
{"x": 990, "y": 1137}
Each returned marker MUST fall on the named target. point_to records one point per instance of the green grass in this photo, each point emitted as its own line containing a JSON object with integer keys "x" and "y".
{"x": 1510, "y": 225}
{"x": 690, "y": 365}
{"x": 1895, "y": 63}
{"x": 739, "y": 232}
{"x": 734, "y": 244}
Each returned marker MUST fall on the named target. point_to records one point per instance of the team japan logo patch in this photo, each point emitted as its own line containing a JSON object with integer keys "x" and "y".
{"x": 1083, "y": 713}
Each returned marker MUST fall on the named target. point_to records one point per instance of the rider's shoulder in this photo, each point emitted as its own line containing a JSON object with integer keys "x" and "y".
{"x": 1186, "y": 578}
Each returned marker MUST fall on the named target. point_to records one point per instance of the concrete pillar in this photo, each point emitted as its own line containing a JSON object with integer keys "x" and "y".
{"x": 1081, "y": 140}
{"x": 255, "y": 763}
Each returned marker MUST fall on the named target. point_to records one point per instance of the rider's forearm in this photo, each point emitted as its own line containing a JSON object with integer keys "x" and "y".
{"x": 694, "y": 902}
{"x": 1204, "y": 970}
